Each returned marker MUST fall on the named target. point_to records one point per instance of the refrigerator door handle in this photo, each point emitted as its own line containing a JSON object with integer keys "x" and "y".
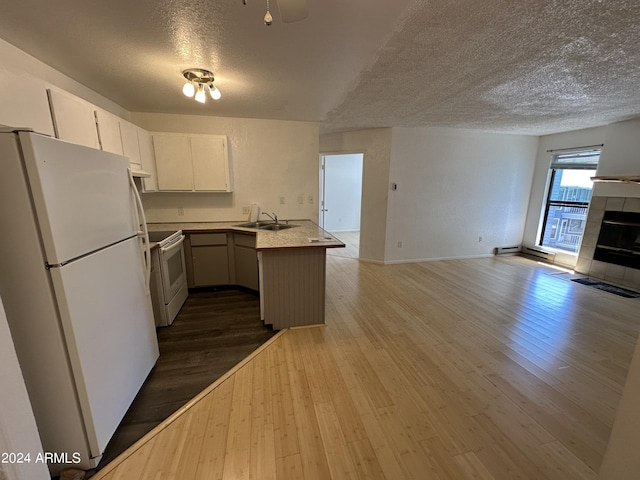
{"x": 144, "y": 234}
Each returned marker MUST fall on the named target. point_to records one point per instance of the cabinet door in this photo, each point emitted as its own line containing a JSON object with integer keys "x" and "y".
{"x": 24, "y": 103}
{"x": 246, "y": 260}
{"x": 147, "y": 160}
{"x": 209, "y": 259}
{"x": 246, "y": 267}
{"x": 109, "y": 132}
{"x": 130, "y": 145}
{"x": 210, "y": 163}
{"x": 173, "y": 162}
{"x": 73, "y": 119}
{"x": 210, "y": 265}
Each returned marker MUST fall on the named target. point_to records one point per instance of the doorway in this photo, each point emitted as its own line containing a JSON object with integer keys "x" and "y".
{"x": 341, "y": 199}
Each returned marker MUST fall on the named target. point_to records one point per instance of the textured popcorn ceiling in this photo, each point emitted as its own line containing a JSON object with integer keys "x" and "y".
{"x": 532, "y": 67}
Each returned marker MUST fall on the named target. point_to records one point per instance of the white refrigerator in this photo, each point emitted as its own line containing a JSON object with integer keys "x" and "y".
{"x": 75, "y": 287}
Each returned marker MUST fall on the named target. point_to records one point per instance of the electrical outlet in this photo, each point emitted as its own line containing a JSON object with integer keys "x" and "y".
{"x": 180, "y": 211}
{"x": 399, "y": 243}
{"x": 301, "y": 198}
{"x": 246, "y": 210}
{"x": 480, "y": 239}
{"x": 281, "y": 200}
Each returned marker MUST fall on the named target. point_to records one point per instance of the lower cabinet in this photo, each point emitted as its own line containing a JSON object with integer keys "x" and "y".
{"x": 293, "y": 287}
{"x": 245, "y": 261}
{"x": 221, "y": 258}
{"x": 209, "y": 259}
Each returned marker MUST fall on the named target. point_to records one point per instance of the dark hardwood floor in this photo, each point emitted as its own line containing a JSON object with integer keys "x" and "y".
{"x": 215, "y": 330}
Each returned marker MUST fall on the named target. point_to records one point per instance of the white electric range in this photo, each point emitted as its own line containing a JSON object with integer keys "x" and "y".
{"x": 168, "y": 275}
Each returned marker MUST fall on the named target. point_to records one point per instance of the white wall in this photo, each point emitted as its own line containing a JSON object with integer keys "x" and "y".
{"x": 453, "y": 187}
{"x": 272, "y": 161}
{"x": 18, "y": 431}
{"x": 376, "y": 146}
{"x": 620, "y": 156}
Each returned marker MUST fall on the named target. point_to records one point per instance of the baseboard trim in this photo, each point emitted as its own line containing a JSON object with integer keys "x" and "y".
{"x": 539, "y": 253}
{"x": 437, "y": 259}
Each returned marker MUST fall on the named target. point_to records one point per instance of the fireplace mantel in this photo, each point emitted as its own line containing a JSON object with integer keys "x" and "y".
{"x": 617, "y": 179}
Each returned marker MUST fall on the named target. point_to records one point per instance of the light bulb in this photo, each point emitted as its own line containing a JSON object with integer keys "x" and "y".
{"x": 189, "y": 89}
{"x": 268, "y": 19}
{"x": 215, "y": 93}
{"x": 200, "y": 95}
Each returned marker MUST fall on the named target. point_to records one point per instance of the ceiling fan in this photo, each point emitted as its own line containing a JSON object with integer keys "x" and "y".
{"x": 290, "y": 11}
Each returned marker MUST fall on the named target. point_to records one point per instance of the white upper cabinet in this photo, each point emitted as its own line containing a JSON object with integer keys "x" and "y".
{"x": 192, "y": 163}
{"x": 24, "y": 103}
{"x": 73, "y": 119}
{"x": 173, "y": 163}
{"x": 109, "y": 132}
{"x": 210, "y": 163}
{"x": 147, "y": 160}
{"x": 130, "y": 143}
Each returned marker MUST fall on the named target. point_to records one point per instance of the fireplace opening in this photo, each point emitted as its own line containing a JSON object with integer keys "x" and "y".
{"x": 619, "y": 239}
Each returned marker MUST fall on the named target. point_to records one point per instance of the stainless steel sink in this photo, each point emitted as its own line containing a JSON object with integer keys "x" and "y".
{"x": 258, "y": 224}
{"x": 265, "y": 225}
{"x": 277, "y": 226}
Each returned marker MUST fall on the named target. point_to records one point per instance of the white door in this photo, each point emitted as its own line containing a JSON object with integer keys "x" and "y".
{"x": 341, "y": 192}
{"x": 82, "y": 196}
{"x": 108, "y": 324}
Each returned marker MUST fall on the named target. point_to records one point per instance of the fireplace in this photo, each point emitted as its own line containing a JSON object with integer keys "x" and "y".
{"x": 619, "y": 239}
{"x": 610, "y": 250}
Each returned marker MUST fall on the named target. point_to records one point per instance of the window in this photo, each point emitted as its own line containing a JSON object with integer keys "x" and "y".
{"x": 568, "y": 199}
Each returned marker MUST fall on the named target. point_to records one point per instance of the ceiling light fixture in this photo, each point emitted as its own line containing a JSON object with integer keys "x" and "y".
{"x": 198, "y": 82}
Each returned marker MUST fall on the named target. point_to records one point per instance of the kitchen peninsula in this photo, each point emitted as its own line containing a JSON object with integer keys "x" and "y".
{"x": 291, "y": 264}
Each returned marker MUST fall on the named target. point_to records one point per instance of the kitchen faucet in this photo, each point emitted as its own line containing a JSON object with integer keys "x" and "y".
{"x": 274, "y": 217}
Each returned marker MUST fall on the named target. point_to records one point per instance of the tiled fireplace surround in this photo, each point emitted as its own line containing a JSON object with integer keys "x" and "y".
{"x": 615, "y": 274}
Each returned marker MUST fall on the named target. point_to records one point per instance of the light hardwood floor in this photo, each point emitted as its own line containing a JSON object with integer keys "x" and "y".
{"x": 491, "y": 368}
{"x": 351, "y": 241}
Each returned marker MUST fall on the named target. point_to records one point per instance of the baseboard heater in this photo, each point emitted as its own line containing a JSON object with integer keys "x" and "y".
{"x": 507, "y": 250}
{"x": 539, "y": 254}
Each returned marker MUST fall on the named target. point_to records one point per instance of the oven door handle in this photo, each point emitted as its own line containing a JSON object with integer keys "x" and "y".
{"x": 167, "y": 249}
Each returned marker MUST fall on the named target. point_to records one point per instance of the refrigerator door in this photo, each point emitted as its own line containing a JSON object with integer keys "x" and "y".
{"x": 81, "y": 195}
{"x": 109, "y": 329}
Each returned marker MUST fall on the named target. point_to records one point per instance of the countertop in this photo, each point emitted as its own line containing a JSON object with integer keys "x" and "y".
{"x": 306, "y": 234}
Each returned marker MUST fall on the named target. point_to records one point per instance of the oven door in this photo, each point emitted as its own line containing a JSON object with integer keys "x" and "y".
{"x": 172, "y": 266}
